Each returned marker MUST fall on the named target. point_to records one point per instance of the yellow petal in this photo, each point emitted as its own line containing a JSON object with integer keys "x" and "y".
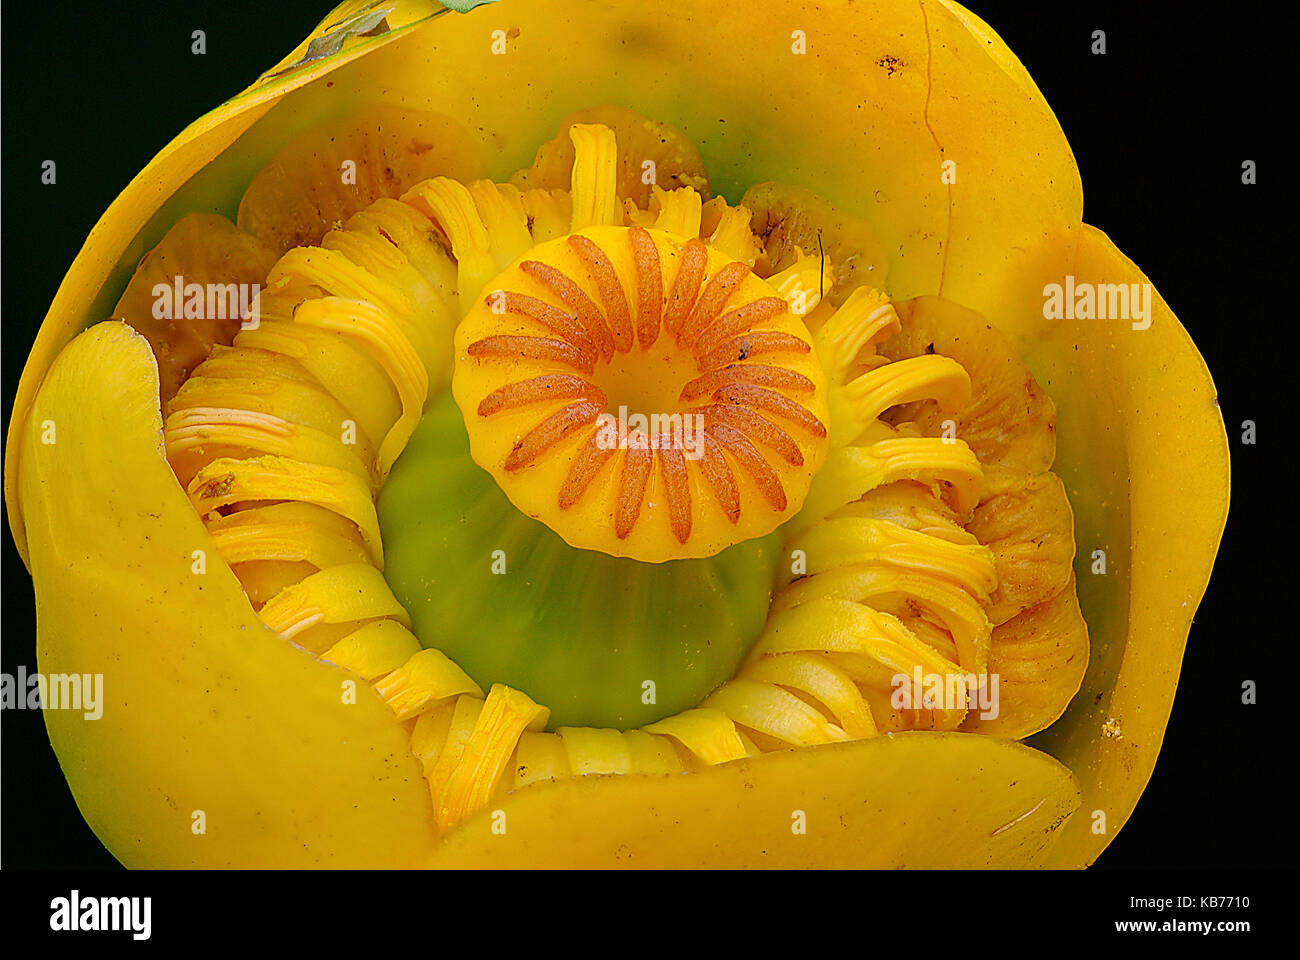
{"x": 204, "y": 709}
{"x": 1174, "y": 465}
{"x": 909, "y": 800}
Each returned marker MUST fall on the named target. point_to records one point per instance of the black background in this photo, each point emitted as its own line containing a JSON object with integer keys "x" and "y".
{"x": 1160, "y": 126}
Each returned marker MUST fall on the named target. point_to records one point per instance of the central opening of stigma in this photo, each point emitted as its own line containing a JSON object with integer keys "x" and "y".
{"x": 644, "y": 409}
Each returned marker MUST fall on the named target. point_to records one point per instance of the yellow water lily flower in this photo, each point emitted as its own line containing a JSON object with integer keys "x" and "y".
{"x": 554, "y": 441}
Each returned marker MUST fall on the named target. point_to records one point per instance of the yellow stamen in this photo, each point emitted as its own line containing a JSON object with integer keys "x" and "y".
{"x": 591, "y": 750}
{"x": 355, "y": 272}
{"x": 651, "y": 754}
{"x": 224, "y": 482}
{"x": 540, "y": 756}
{"x": 679, "y": 211}
{"x": 414, "y": 234}
{"x": 449, "y": 204}
{"x": 549, "y": 213}
{"x": 374, "y": 649}
{"x": 931, "y": 377}
{"x": 506, "y": 714}
{"x": 844, "y": 627}
{"x": 258, "y": 433}
{"x": 288, "y": 531}
{"x": 893, "y": 590}
{"x": 426, "y": 677}
{"x": 851, "y": 540}
{"x": 304, "y": 403}
{"x": 501, "y": 208}
{"x": 801, "y": 284}
{"x": 373, "y": 327}
{"x": 594, "y": 184}
{"x": 347, "y": 371}
{"x": 822, "y": 680}
{"x": 464, "y": 718}
{"x": 351, "y": 591}
{"x": 429, "y": 734}
{"x": 708, "y": 734}
{"x": 851, "y": 472}
{"x": 862, "y": 321}
{"x": 771, "y": 710}
{"x": 732, "y": 235}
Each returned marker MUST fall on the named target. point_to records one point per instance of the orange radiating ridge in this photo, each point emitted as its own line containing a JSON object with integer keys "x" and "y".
{"x": 758, "y": 374}
{"x": 677, "y": 491}
{"x": 551, "y": 431}
{"x": 769, "y": 485}
{"x": 533, "y": 348}
{"x": 576, "y": 299}
{"x": 631, "y": 487}
{"x": 756, "y": 428}
{"x": 752, "y": 345}
{"x": 714, "y": 467}
{"x": 760, "y": 398}
{"x": 563, "y": 325}
{"x": 738, "y": 321}
{"x": 610, "y": 288}
{"x": 555, "y": 386}
{"x": 715, "y": 296}
{"x": 690, "y": 274}
{"x": 591, "y": 457}
{"x": 649, "y": 286}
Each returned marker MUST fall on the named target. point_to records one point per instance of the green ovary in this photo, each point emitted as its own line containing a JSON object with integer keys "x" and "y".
{"x": 603, "y": 641}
